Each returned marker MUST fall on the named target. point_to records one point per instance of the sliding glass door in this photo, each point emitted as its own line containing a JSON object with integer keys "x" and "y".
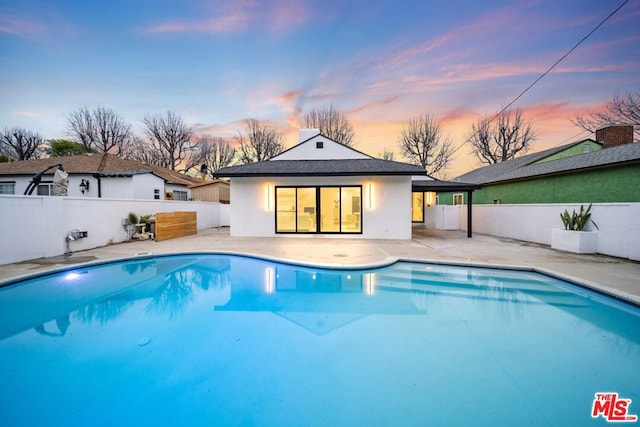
{"x": 334, "y": 209}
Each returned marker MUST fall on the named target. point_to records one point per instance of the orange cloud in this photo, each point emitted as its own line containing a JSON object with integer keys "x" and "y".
{"x": 290, "y": 96}
{"x": 287, "y": 101}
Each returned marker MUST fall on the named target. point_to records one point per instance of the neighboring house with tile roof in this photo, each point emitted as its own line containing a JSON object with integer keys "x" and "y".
{"x": 321, "y": 187}
{"x": 586, "y": 171}
{"x": 101, "y": 175}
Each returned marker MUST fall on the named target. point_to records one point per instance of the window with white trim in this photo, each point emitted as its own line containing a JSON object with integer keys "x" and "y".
{"x": 45, "y": 189}
{"x": 180, "y": 195}
{"x": 458, "y": 199}
{"x": 7, "y": 188}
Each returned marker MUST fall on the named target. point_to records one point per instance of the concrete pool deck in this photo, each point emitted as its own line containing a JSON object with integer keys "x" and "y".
{"x": 611, "y": 275}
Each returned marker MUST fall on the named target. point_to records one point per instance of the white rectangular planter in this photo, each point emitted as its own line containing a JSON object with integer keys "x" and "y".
{"x": 580, "y": 242}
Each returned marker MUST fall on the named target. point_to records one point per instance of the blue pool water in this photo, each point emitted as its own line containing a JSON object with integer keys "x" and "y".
{"x": 217, "y": 340}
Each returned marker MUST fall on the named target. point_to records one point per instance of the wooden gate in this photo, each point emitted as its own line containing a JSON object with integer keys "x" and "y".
{"x": 170, "y": 225}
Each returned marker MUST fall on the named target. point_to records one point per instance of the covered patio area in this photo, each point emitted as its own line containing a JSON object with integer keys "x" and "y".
{"x": 436, "y": 186}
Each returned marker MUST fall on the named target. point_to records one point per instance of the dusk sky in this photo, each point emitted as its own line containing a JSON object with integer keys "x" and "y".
{"x": 216, "y": 63}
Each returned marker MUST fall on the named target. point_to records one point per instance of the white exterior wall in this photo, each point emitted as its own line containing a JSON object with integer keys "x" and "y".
{"x": 22, "y": 182}
{"x": 116, "y": 188}
{"x": 330, "y": 150}
{"x": 388, "y": 218}
{"x": 442, "y": 217}
{"x": 618, "y": 234}
{"x": 36, "y": 226}
{"x": 138, "y": 186}
{"x": 142, "y": 186}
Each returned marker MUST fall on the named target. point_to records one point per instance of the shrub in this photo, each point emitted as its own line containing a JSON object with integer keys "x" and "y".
{"x": 577, "y": 221}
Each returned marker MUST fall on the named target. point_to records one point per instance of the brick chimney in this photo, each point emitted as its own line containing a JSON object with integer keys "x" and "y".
{"x": 612, "y": 136}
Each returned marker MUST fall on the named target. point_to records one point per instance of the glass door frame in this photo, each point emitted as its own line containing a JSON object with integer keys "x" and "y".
{"x": 318, "y": 209}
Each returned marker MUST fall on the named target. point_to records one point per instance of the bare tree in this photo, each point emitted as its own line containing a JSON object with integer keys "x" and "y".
{"x": 386, "y": 154}
{"x": 171, "y": 138}
{"x": 502, "y": 137}
{"x": 621, "y": 110}
{"x": 214, "y": 152}
{"x": 142, "y": 151}
{"x": 258, "y": 142}
{"x": 421, "y": 141}
{"x": 332, "y": 124}
{"x": 21, "y": 144}
{"x": 101, "y": 130}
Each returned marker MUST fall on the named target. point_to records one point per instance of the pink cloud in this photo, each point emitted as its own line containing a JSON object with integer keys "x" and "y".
{"x": 374, "y": 104}
{"x": 26, "y": 114}
{"x": 41, "y": 24}
{"x": 233, "y": 22}
{"x": 239, "y": 15}
{"x": 285, "y": 14}
{"x": 19, "y": 27}
{"x": 290, "y": 96}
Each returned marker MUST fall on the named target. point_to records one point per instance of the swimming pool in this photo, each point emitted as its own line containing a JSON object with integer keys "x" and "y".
{"x": 205, "y": 339}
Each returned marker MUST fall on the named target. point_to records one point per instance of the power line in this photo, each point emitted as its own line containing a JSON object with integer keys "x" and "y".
{"x": 545, "y": 73}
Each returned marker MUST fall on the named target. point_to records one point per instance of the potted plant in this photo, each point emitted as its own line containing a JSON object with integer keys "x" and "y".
{"x": 144, "y": 222}
{"x": 130, "y": 223}
{"x": 135, "y": 224}
{"x": 574, "y": 237}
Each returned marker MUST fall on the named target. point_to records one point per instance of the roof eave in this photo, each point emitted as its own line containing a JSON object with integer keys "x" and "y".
{"x": 303, "y": 174}
{"x": 565, "y": 172}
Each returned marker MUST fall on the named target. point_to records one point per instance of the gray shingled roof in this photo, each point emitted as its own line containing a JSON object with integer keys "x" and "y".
{"x": 343, "y": 167}
{"x": 525, "y": 166}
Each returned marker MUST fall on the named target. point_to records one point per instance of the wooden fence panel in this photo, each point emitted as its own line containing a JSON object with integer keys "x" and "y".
{"x": 170, "y": 225}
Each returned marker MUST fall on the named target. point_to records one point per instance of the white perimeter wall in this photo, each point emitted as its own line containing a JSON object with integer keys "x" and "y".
{"x": 35, "y": 227}
{"x": 389, "y": 217}
{"x": 618, "y": 234}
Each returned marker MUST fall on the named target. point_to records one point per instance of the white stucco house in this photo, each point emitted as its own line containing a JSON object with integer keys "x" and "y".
{"x": 320, "y": 187}
{"x": 96, "y": 175}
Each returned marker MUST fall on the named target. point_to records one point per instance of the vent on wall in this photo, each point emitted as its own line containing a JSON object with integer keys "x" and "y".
{"x": 319, "y": 144}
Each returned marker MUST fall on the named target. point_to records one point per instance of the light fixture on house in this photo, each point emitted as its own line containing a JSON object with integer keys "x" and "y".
{"x": 370, "y": 197}
{"x": 84, "y": 185}
{"x": 268, "y": 197}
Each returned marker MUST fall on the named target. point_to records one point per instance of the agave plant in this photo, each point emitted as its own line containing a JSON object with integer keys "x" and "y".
{"x": 577, "y": 221}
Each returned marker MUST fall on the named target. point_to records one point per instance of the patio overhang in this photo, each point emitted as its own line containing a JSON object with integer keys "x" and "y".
{"x": 434, "y": 185}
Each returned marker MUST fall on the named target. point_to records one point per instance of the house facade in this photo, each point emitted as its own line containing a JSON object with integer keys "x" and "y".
{"x": 605, "y": 170}
{"x": 322, "y": 188}
{"x": 98, "y": 175}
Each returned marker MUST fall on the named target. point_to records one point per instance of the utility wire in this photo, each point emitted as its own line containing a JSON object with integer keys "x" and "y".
{"x": 545, "y": 73}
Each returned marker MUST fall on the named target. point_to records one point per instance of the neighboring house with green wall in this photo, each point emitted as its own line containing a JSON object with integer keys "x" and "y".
{"x": 581, "y": 172}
